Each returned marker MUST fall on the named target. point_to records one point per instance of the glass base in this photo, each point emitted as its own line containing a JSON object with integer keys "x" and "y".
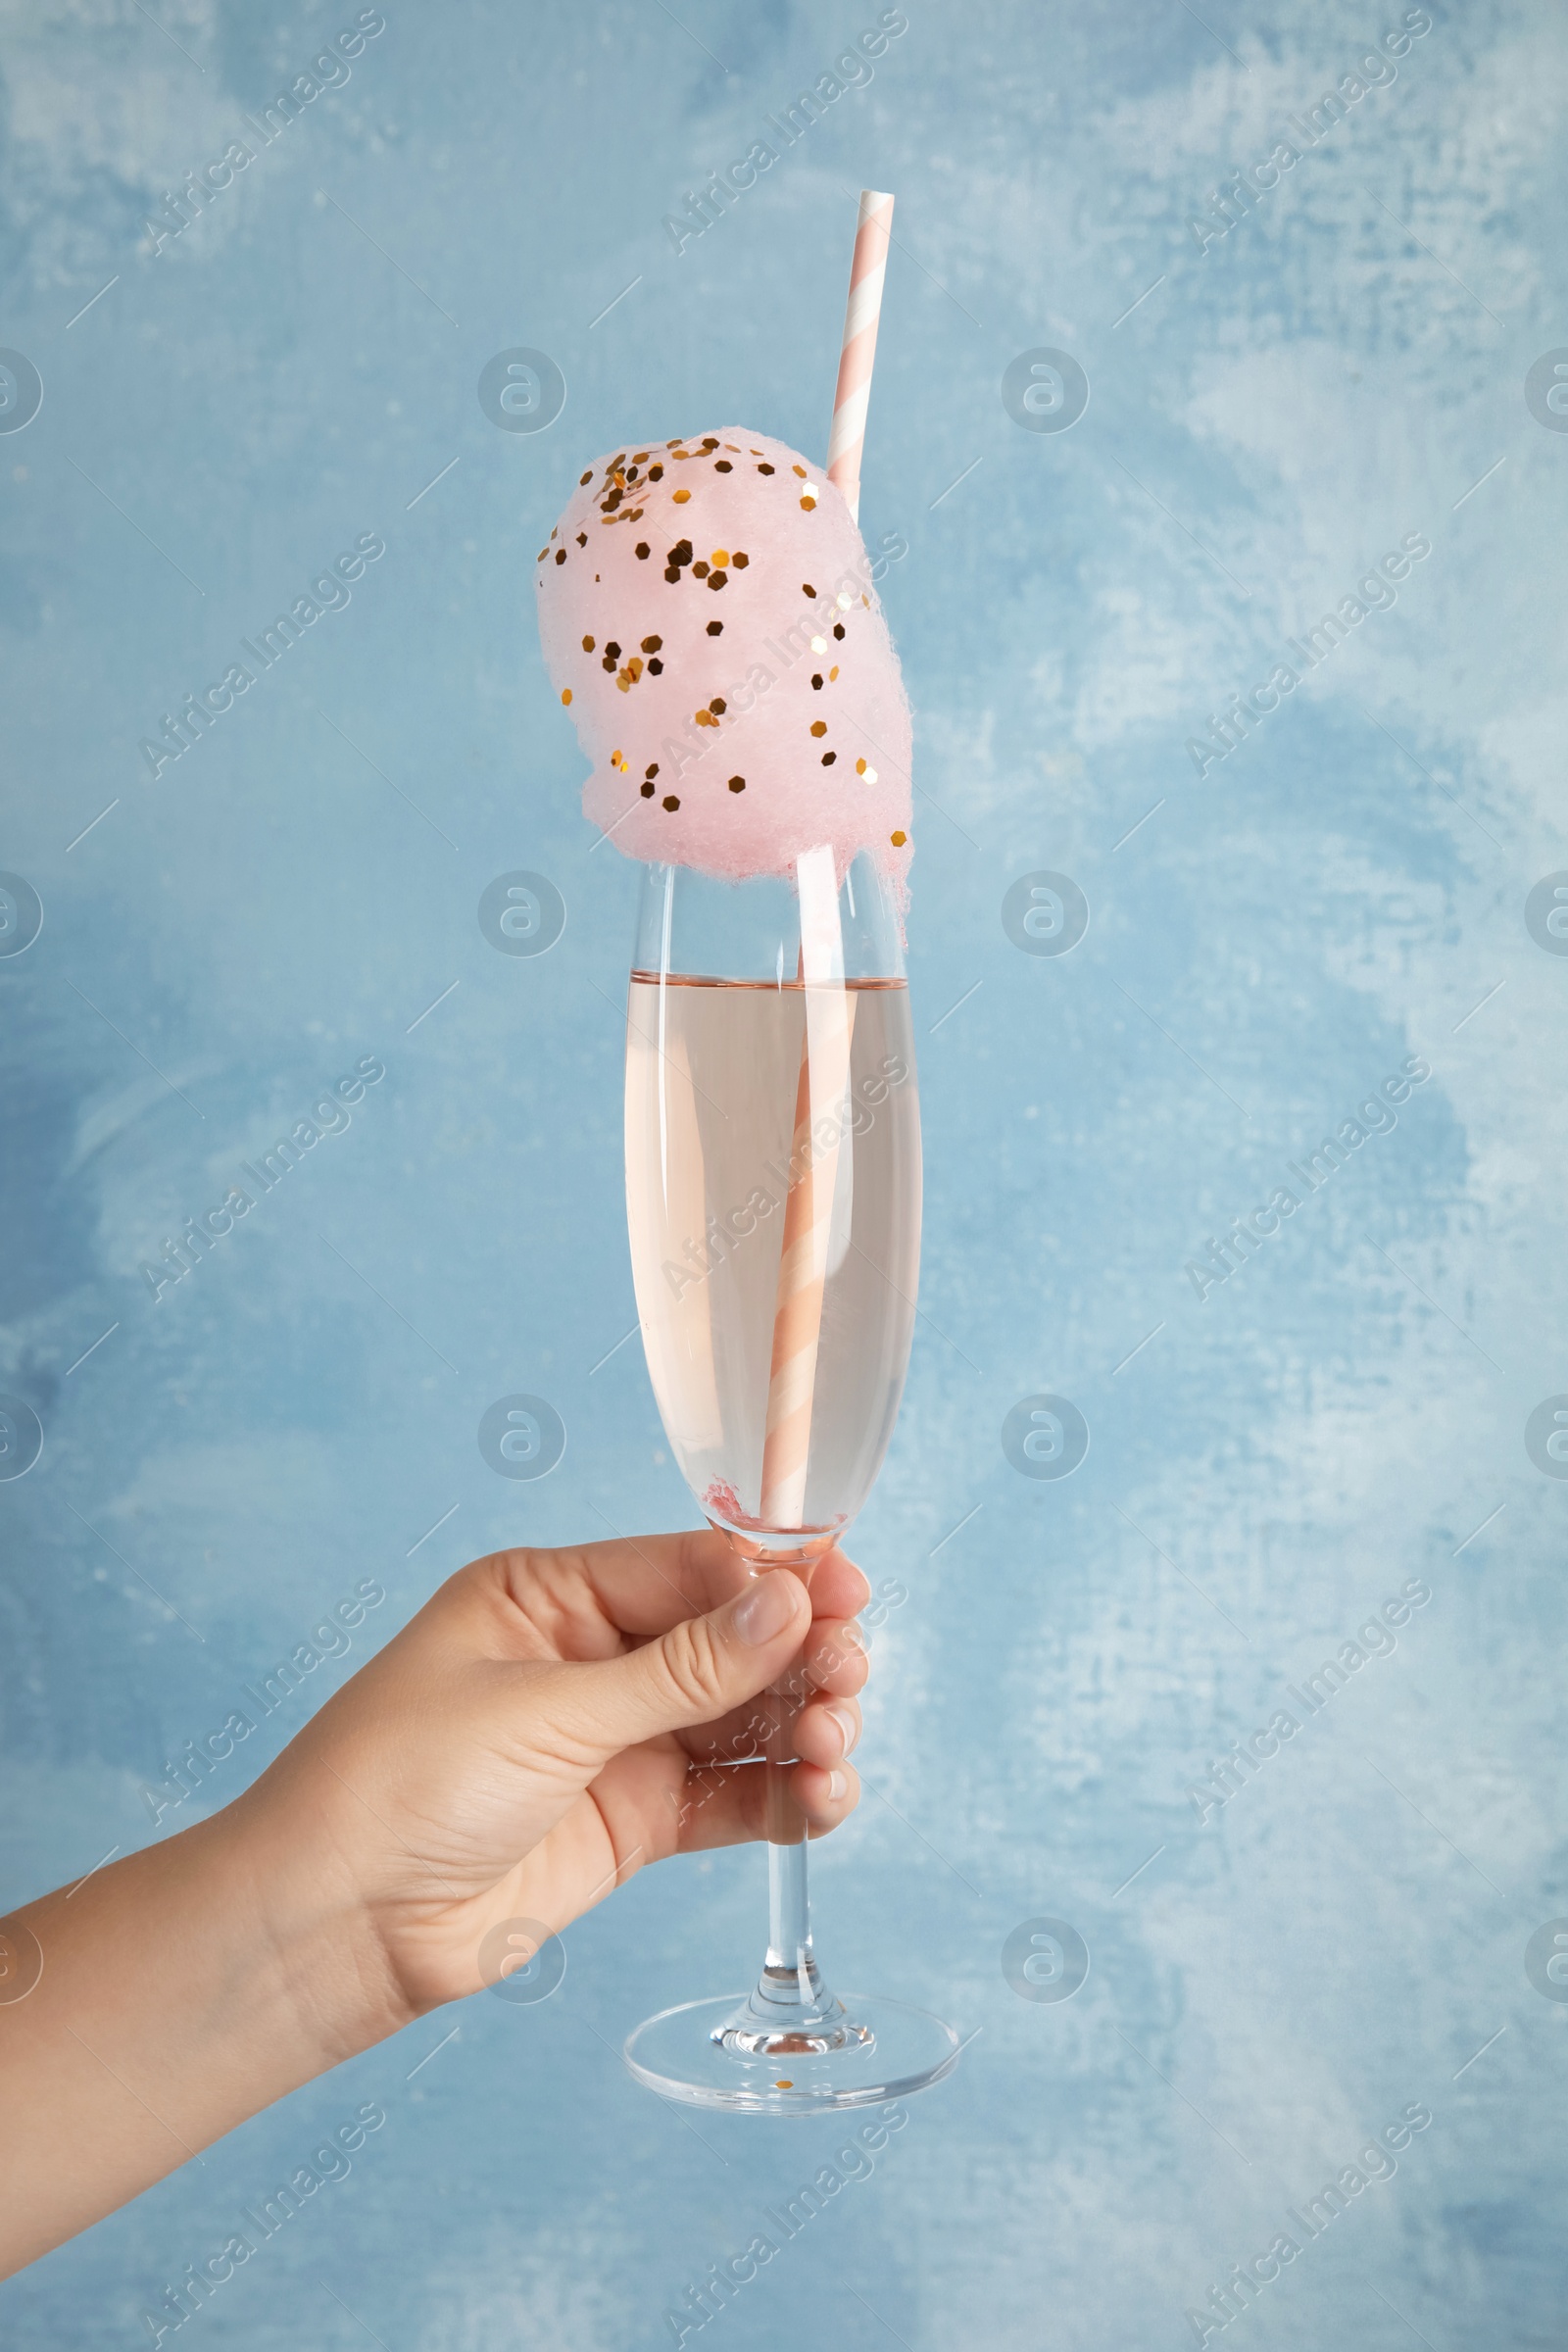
{"x": 714, "y": 2054}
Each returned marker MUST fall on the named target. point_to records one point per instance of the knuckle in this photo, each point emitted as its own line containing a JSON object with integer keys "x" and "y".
{"x": 693, "y": 1668}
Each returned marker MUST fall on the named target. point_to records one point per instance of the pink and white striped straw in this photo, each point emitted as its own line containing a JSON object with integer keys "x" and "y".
{"x": 824, "y": 1079}
{"x": 825, "y": 1046}
{"x": 862, "y": 314}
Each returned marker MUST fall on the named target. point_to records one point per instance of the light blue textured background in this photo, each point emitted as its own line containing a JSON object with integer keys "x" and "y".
{"x": 1340, "y": 893}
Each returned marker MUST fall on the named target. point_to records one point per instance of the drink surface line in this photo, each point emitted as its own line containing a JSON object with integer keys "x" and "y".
{"x": 774, "y": 987}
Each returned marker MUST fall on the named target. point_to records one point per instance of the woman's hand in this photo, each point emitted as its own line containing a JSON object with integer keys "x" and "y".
{"x": 550, "y": 1722}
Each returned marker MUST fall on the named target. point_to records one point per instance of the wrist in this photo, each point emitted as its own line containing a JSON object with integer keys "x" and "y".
{"x": 310, "y": 1957}
{"x": 182, "y": 1990}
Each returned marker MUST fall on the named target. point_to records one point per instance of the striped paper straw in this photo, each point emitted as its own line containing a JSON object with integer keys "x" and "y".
{"x": 829, "y": 1005}
{"x": 809, "y": 1204}
{"x": 861, "y": 315}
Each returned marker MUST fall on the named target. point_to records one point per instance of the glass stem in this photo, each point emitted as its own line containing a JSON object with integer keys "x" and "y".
{"x": 789, "y": 1903}
{"x": 789, "y": 1912}
{"x": 789, "y": 1906}
{"x": 790, "y": 2013}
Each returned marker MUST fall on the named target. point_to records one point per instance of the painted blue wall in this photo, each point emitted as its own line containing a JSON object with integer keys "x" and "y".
{"x": 1276, "y": 403}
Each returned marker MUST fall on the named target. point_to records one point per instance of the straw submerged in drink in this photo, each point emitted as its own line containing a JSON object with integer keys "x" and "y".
{"x": 810, "y": 1202}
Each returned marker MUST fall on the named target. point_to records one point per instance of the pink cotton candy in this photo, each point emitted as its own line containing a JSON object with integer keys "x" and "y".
{"x": 730, "y": 748}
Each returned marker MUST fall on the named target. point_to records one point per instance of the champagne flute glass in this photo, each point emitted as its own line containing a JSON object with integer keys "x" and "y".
{"x": 774, "y": 1201}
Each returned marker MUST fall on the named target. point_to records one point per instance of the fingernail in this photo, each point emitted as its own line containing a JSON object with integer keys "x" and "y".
{"x": 847, "y": 1726}
{"x": 767, "y": 1608}
{"x": 838, "y": 1784}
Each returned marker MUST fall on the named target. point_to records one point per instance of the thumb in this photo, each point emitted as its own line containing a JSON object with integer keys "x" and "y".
{"x": 695, "y": 1673}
